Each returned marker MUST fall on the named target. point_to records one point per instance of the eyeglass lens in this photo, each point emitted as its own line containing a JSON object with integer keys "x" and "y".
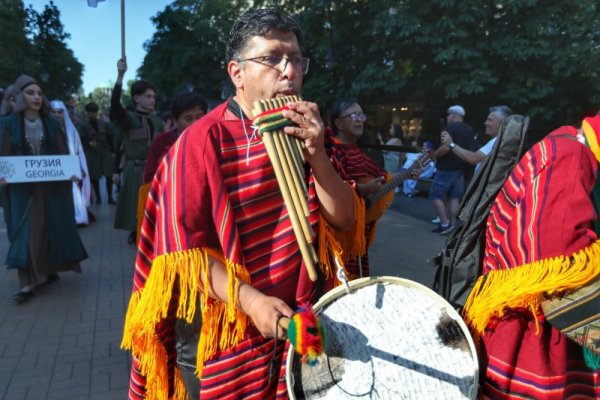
{"x": 358, "y": 116}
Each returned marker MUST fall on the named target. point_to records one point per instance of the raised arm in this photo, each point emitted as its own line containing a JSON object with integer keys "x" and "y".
{"x": 117, "y": 112}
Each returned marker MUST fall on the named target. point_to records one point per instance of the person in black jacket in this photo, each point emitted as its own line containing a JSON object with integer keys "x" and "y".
{"x": 449, "y": 182}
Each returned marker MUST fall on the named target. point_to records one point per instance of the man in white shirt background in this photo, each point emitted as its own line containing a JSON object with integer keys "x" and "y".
{"x": 492, "y": 128}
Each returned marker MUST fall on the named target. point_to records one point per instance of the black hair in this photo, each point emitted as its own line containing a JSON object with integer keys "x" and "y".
{"x": 338, "y": 109}
{"x": 91, "y": 107}
{"x": 185, "y": 101}
{"x": 140, "y": 87}
{"x": 166, "y": 115}
{"x": 259, "y": 23}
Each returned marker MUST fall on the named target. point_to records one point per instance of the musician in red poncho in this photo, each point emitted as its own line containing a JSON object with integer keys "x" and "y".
{"x": 218, "y": 262}
{"x": 541, "y": 242}
{"x": 348, "y": 122}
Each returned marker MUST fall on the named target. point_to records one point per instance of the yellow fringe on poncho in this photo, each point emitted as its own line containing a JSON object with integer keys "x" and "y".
{"x": 223, "y": 325}
{"x": 525, "y": 286}
{"x": 353, "y": 242}
{"x": 150, "y": 305}
{"x": 141, "y": 207}
{"x": 343, "y": 246}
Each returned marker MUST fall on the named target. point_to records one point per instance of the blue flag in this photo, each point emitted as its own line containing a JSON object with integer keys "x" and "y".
{"x": 93, "y": 3}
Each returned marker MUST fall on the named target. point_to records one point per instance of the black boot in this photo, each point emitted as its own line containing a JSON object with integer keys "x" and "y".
{"x": 96, "y": 186}
{"x": 23, "y": 296}
{"x": 109, "y": 187}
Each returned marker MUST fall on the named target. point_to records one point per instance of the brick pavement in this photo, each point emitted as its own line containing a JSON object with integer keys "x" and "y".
{"x": 64, "y": 342}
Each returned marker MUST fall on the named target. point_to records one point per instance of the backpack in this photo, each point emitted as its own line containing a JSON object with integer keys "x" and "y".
{"x": 459, "y": 263}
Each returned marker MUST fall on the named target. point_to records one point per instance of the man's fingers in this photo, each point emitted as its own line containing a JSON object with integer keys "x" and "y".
{"x": 305, "y": 108}
{"x": 297, "y": 131}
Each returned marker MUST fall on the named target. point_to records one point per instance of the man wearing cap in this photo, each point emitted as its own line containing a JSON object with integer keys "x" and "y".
{"x": 449, "y": 182}
{"x": 492, "y": 128}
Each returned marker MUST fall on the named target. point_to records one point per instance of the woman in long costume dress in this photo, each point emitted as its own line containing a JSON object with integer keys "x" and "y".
{"x": 81, "y": 190}
{"x": 39, "y": 216}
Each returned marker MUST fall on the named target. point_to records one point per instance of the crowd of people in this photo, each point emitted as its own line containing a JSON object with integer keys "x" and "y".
{"x": 218, "y": 262}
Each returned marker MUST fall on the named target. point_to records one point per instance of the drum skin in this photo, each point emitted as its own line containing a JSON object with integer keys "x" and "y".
{"x": 387, "y": 338}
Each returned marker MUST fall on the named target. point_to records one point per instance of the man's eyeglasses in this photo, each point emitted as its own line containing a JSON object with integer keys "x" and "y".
{"x": 275, "y": 61}
{"x": 356, "y": 116}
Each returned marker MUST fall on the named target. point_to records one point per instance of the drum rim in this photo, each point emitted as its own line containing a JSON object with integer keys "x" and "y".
{"x": 340, "y": 291}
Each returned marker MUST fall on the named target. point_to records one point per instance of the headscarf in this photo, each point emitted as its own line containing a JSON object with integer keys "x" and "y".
{"x": 76, "y": 148}
{"x": 10, "y": 91}
{"x": 20, "y": 105}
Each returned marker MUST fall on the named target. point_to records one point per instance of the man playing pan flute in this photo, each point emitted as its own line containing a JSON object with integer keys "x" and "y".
{"x": 218, "y": 262}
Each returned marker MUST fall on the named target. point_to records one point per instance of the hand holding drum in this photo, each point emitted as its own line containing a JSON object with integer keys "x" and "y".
{"x": 305, "y": 332}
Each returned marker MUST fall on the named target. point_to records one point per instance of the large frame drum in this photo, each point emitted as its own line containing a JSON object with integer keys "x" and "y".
{"x": 389, "y": 338}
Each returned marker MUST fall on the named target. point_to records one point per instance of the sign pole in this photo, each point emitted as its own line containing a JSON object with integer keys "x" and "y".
{"x": 123, "y": 29}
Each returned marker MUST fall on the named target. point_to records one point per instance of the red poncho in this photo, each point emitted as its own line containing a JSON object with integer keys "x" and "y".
{"x": 360, "y": 168}
{"x": 215, "y": 194}
{"x": 539, "y": 241}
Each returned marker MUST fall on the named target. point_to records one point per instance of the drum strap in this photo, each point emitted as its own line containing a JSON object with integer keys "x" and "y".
{"x": 272, "y": 370}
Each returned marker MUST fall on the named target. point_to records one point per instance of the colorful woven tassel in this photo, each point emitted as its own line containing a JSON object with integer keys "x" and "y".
{"x": 306, "y": 334}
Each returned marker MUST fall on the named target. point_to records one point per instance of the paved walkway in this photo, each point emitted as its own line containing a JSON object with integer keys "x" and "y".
{"x": 64, "y": 342}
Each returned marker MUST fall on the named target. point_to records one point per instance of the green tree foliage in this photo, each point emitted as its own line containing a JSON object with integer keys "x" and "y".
{"x": 188, "y": 49}
{"x": 33, "y": 43}
{"x": 534, "y": 55}
{"x": 60, "y": 72}
{"x": 100, "y": 96}
{"x": 538, "y": 57}
{"x": 16, "y": 53}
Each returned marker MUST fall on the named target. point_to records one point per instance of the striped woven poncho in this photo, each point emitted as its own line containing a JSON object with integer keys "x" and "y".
{"x": 215, "y": 194}
{"x": 358, "y": 167}
{"x": 539, "y": 241}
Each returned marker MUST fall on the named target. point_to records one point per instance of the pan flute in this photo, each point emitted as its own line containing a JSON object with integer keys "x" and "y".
{"x": 285, "y": 153}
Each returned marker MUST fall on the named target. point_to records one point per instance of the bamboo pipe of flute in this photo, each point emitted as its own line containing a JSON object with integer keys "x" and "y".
{"x": 301, "y": 208}
{"x": 308, "y": 256}
{"x": 294, "y": 182}
{"x": 296, "y": 158}
{"x": 295, "y": 144}
{"x": 294, "y": 217}
{"x": 282, "y": 141}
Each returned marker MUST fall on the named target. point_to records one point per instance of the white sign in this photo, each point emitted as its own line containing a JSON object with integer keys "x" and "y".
{"x": 17, "y": 169}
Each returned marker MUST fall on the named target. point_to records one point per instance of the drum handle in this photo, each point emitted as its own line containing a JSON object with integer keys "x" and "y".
{"x": 341, "y": 275}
